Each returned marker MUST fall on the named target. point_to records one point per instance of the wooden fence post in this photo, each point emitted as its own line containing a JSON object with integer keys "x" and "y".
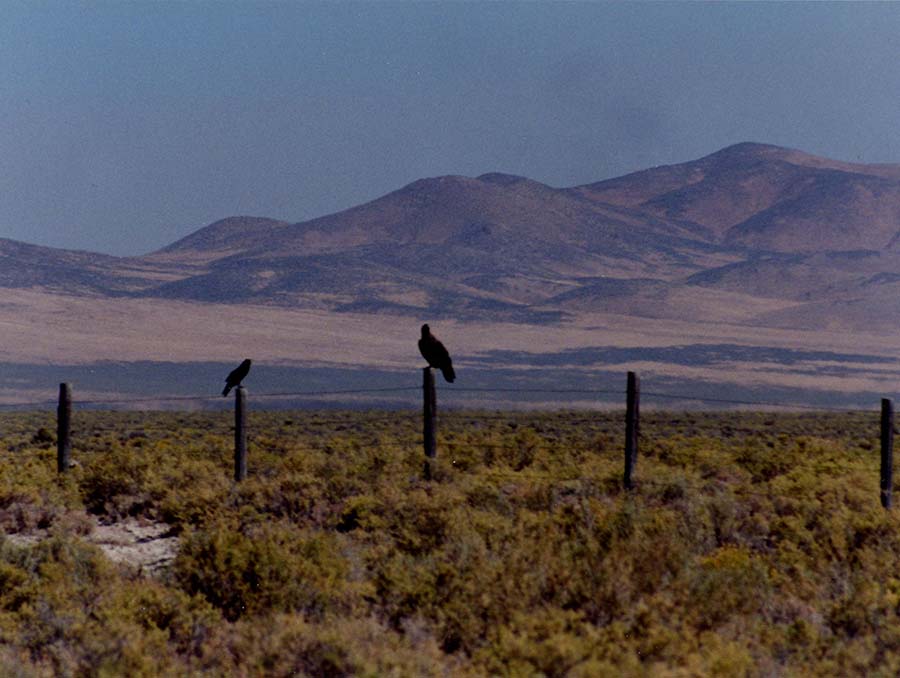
{"x": 632, "y": 427}
{"x": 64, "y": 428}
{"x": 240, "y": 434}
{"x": 429, "y": 419}
{"x": 887, "y": 451}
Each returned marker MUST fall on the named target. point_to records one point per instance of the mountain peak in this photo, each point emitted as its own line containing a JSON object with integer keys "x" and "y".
{"x": 747, "y": 152}
{"x": 225, "y": 234}
{"x": 748, "y": 147}
{"x": 502, "y": 179}
{"x": 499, "y": 246}
{"x": 750, "y": 151}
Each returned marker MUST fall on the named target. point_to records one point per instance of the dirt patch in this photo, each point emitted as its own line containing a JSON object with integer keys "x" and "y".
{"x": 148, "y": 546}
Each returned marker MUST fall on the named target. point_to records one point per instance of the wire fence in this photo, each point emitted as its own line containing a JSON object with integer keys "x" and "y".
{"x": 213, "y": 398}
{"x": 458, "y": 418}
{"x": 113, "y": 402}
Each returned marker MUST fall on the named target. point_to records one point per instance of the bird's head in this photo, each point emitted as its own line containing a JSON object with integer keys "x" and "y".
{"x": 247, "y": 362}
{"x": 426, "y": 330}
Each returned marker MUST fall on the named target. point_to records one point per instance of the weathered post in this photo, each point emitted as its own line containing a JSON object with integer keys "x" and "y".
{"x": 64, "y": 428}
{"x": 887, "y": 451}
{"x": 632, "y": 427}
{"x": 240, "y": 434}
{"x": 429, "y": 419}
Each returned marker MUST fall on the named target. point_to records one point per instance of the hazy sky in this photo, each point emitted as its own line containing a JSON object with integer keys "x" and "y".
{"x": 126, "y": 125}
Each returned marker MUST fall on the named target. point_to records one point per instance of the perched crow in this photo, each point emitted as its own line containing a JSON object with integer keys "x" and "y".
{"x": 236, "y": 376}
{"x": 434, "y": 352}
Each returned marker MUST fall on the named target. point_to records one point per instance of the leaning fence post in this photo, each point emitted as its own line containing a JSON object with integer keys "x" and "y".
{"x": 240, "y": 434}
{"x": 64, "y": 428}
{"x": 632, "y": 427}
{"x": 429, "y": 419}
{"x": 887, "y": 451}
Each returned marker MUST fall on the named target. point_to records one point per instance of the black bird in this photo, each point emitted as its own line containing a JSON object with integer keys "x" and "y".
{"x": 434, "y": 352}
{"x": 236, "y": 376}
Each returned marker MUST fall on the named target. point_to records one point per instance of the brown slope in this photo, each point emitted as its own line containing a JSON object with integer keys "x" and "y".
{"x": 439, "y": 210}
{"x": 640, "y": 189}
{"x": 222, "y": 238}
{"x": 820, "y": 277}
{"x": 748, "y": 195}
{"x": 499, "y": 243}
{"x": 767, "y": 197}
{"x": 23, "y": 266}
{"x": 454, "y": 242}
{"x": 826, "y": 210}
{"x": 446, "y": 242}
{"x": 454, "y": 208}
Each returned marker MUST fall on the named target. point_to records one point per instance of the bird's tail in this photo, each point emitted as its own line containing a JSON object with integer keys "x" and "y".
{"x": 449, "y": 374}
{"x": 225, "y": 392}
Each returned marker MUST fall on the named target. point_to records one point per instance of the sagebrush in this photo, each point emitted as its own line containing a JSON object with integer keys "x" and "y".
{"x": 753, "y": 544}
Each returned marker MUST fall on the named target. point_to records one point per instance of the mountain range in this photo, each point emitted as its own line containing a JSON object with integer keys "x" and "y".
{"x": 755, "y": 234}
{"x": 752, "y": 246}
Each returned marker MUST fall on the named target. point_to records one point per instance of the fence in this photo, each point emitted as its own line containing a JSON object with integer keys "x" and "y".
{"x": 430, "y": 421}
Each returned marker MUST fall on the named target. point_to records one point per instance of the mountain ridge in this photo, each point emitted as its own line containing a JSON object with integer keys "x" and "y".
{"x": 506, "y": 246}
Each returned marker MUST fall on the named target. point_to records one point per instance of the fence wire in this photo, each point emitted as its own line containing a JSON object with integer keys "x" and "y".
{"x": 357, "y": 421}
{"x": 462, "y": 408}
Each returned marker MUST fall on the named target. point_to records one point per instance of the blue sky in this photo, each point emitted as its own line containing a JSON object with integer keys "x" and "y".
{"x": 126, "y": 125}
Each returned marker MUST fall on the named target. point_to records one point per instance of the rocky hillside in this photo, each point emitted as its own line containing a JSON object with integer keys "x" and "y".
{"x": 751, "y": 234}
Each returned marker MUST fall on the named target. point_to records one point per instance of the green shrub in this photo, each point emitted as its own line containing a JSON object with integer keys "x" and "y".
{"x": 753, "y": 544}
{"x": 729, "y": 582}
{"x": 270, "y": 567}
{"x": 116, "y": 483}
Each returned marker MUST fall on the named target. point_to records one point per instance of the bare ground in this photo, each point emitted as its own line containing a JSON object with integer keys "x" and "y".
{"x": 147, "y": 546}
{"x": 43, "y": 327}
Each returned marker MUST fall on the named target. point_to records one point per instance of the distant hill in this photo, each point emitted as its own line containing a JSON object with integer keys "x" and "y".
{"x": 754, "y": 234}
{"x": 494, "y": 243}
{"x": 24, "y": 266}
{"x": 768, "y": 198}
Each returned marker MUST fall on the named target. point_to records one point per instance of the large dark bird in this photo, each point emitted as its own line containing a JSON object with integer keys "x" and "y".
{"x": 434, "y": 352}
{"x": 236, "y": 376}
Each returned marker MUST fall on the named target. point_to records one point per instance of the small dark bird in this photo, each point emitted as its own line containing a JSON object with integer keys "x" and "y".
{"x": 236, "y": 376}
{"x": 434, "y": 352}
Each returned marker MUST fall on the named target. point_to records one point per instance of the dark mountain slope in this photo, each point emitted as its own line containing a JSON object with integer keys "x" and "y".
{"x": 76, "y": 272}
{"x": 223, "y": 237}
{"x": 814, "y": 277}
{"x": 825, "y": 209}
{"x": 746, "y": 233}
{"x": 768, "y": 198}
{"x": 455, "y": 242}
{"x": 461, "y": 209}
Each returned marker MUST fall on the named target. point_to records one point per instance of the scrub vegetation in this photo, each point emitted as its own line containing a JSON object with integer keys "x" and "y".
{"x": 753, "y": 544}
